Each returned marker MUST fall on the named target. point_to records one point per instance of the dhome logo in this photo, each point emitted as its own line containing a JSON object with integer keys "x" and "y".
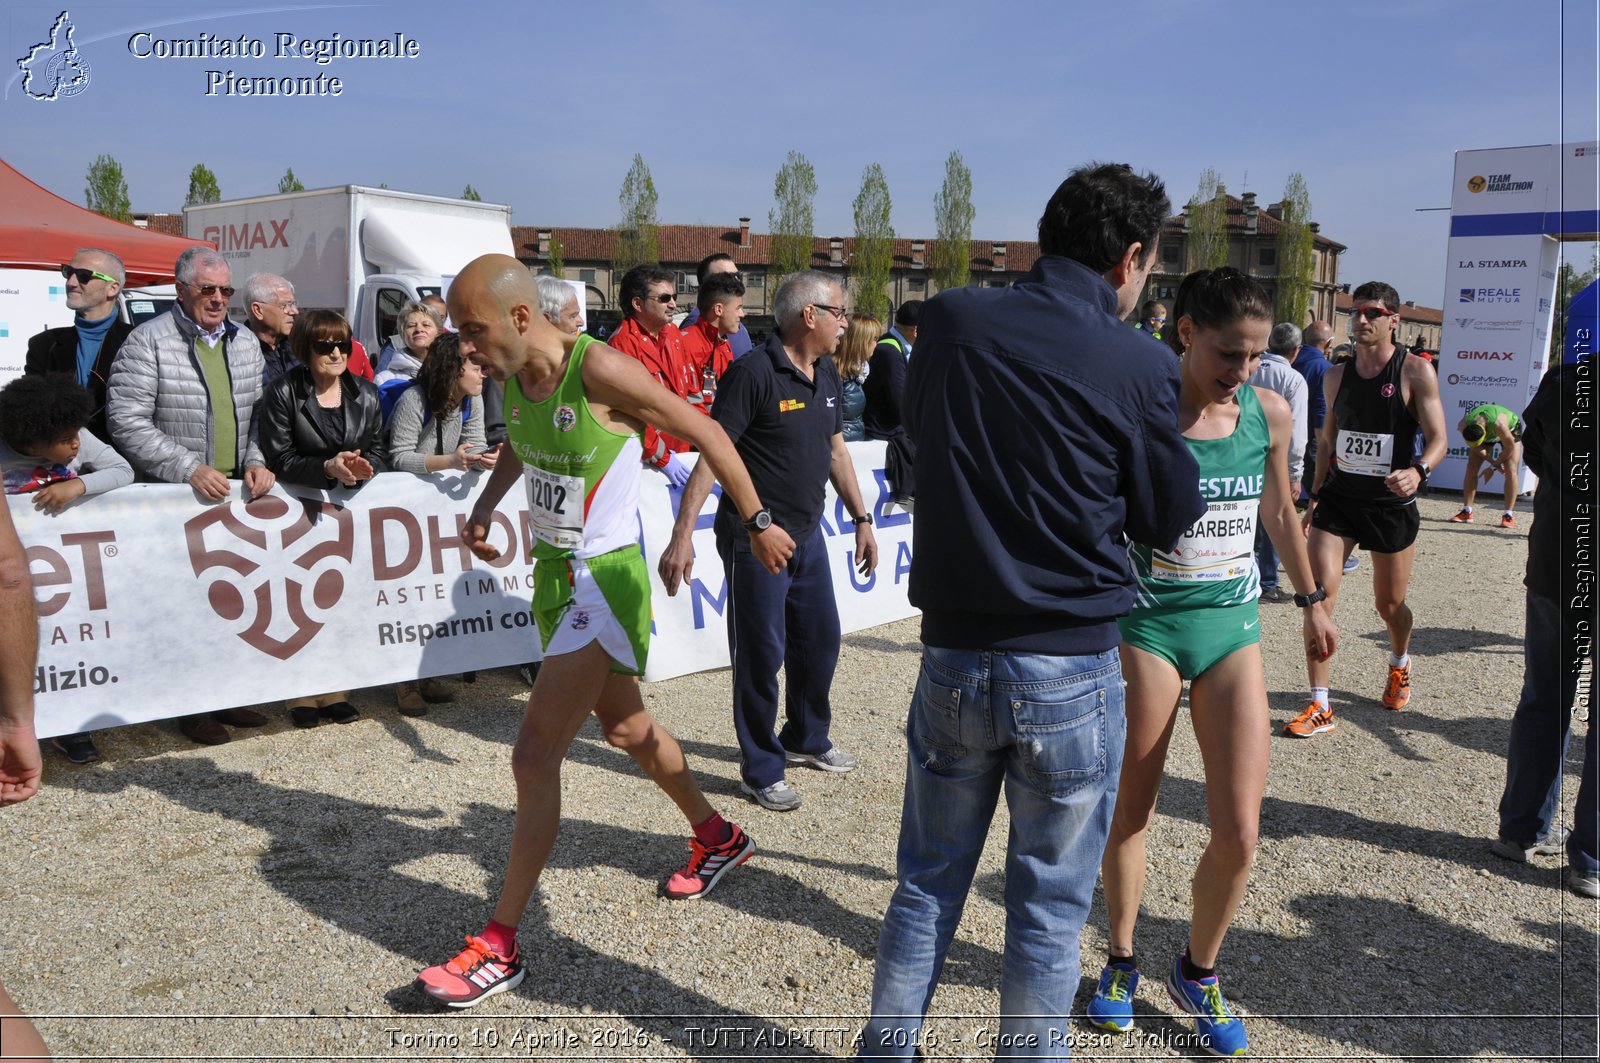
{"x": 232, "y": 550}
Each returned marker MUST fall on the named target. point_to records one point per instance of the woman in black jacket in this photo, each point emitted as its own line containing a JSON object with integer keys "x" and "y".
{"x": 322, "y": 427}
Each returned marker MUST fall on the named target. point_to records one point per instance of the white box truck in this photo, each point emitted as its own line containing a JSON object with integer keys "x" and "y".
{"x": 361, "y": 251}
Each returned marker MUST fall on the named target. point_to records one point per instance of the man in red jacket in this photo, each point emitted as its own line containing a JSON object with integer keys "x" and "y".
{"x": 647, "y": 333}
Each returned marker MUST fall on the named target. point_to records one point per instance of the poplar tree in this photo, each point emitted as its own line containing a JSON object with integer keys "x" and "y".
{"x": 1296, "y": 253}
{"x": 1208, "y": 223}
{"x": 471, "y": 194}
{"x": 874, "y": 247}
{"x": 289, "y": 182}
{"x": 791, "y": 220}
{"x": 555, "y": 261}
{"x": 638, "y": 234}
{"x": 952, "y": 212}
{"x": 107, "y": 190}
{"x": 202, "y": 186}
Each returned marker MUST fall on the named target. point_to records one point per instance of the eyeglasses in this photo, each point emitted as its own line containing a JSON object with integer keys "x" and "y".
{"x": 664, "y": 298}
{"x": 836, "y": 311}
{"x": 208, "y": 290}
{"x": 324, "y": 348}
{"x": 1372, "y": 313}
{"x": 85, "y": 275}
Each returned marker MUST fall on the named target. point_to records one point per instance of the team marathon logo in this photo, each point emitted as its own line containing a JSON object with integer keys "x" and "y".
{"x": 1497, "y": 182}
{"x": 233, "y": 553}
{"x": 566, "y": 418}
{"x": 54, "y": 68}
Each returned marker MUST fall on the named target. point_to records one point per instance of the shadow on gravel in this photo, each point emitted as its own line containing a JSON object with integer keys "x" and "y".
{"x": 1374, "y": 975}
{"x": 338, "y": 859}
{"x": 881, "y": 644}
{"x": 1434, "y": 641}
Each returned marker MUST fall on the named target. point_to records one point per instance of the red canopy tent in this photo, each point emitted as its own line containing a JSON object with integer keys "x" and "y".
{"x": 39, "y": 229}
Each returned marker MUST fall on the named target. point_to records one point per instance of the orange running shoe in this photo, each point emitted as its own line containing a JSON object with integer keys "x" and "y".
{"x": 1507, "y": 521}
{"x": 707, "y": 865}
{"x": 1464, "y": 517}
{"x": 476, "y": 972}
{"x": 1313, "y": 721}
{"x": 1397, "y": 691}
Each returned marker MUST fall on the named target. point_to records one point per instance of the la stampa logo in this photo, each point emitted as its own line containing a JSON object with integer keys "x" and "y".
{"x": 229, "y": 547}
{"x": 54, "y": 68}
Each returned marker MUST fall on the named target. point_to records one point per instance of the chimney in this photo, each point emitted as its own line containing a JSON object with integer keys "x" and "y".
{"x": 918, "y": 254}
{"x": 836, "y": 251}
{"x": 544, "y": 243}
{"x": 1248, "y": 205}
{"x": 744, "y": 232}
{"x": 1314, "y": 226}
{"x": 1276, "y": 209}
{"x": 998, "y": 254}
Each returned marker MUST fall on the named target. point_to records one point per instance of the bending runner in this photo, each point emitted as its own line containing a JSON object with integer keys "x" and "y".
{"x": 1366, "y": 492}
{"x": 1484, "y": 426}
{"x": 574, "y": 412}
{"x": 1196, "y": 618}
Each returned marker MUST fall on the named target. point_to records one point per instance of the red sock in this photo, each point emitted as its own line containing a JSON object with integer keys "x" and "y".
{"x": 713, "y": 831}
{"x": 501, "y": 938}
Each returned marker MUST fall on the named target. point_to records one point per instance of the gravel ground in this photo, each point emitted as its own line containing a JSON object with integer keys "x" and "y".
{"x": 274, "y": 897}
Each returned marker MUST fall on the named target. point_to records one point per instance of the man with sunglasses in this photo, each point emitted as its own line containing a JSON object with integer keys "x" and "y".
{"x": 780, "y": 406}
{"x": 84, "y": 349}
{"x": 181, "y": 403}
{"x": 1364, "y": 491}
{"x": 1152, "y": 319}
{"x": 649, "y": 302}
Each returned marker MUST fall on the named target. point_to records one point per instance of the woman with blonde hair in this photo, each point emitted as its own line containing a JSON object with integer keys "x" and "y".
{"x": 855, "y": 350}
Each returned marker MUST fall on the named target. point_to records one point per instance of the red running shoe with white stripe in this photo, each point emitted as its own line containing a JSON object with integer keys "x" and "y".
{"x": 476, "y": 972}
{"x": 708, "y": 863}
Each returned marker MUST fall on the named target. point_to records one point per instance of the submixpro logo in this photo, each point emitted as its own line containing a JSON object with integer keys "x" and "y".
{"x": 229, "y": 550}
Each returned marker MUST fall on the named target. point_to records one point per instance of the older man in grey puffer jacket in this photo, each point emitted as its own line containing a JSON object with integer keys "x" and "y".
{"x": 184, "y": 389}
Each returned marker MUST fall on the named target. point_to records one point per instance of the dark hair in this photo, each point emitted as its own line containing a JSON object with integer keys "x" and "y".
{"x": 439, "y": 373}
{"x": 1380, "y": 291}
{"x": 1216, "y": 298}
{"x": 39, "y": 410}
{"x": 1475, "y": 433}
{"x": 1149, "y": 308}
{"x": 718, "y": 288}
{"x": 1100, "y": 211}
{"x": 636, "y": 284}
{"x": 312, "y": 325}
{"x": 703, "y": 270}
{"x": 909, "y": 314}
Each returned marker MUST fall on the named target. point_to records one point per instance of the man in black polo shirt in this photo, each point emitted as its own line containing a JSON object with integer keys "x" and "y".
{"x": 780, "y": 406}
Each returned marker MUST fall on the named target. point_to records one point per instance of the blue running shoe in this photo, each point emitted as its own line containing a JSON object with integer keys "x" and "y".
{"x": 1221, "y": 1033}
{"x": 1111, "y": 1007}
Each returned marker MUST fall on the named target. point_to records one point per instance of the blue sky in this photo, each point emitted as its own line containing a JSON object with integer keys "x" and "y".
{"x": 543, "y": 105}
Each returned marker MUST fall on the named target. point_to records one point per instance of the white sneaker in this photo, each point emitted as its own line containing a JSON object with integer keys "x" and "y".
{"x": 780, "y": 796}
{"x": 835, "y": 759}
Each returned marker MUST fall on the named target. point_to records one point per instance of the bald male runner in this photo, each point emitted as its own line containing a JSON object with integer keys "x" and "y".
{"x": 575, "y": 409}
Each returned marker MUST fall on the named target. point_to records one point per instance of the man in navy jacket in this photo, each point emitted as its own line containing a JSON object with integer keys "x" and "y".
{"x": 1046, "y": 436}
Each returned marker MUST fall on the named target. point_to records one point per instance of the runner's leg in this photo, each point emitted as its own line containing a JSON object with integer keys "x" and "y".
{"x": 1154, "y": 688}
{"x": 629, "y": 727}
{"x": 567, "y": 690}
{"x": 1228, "y": 708}
{"x": 1391, "y": 576}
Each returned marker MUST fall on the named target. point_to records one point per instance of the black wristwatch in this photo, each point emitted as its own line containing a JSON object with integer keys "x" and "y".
{"x": 1306, "y": 601}
{"x": 858, "y": 521}
{"x": 1424, "y": 470}
{"x": 761, "y": 521}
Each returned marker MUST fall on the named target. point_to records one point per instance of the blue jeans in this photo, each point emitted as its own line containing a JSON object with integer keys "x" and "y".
{"x": 1051, "y": 731}
{"x": 1540, "y": 731}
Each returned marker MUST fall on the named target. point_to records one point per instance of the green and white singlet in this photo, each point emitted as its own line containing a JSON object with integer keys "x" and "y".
{"x": 590, "y": 583}
{"x": 582, "y": 477}
{"x": 1214, "y": 563}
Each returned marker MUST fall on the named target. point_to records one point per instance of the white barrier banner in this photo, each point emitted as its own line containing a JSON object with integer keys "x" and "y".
{"x": 31, "y": 300}
{"x": 153, "y": 605}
